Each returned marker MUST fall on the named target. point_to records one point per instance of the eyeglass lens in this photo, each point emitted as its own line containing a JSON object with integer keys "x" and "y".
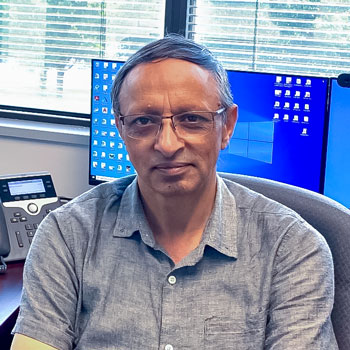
{"x": 187, "y": 124}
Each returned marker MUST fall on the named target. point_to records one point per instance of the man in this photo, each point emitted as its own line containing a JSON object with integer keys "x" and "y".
{"x": 176, "y": 258}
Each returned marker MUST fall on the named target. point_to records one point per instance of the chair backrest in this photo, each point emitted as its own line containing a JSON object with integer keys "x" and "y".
{"x": 332, "y": 220}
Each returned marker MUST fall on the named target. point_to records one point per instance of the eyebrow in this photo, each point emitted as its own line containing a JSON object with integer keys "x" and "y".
{"x": 156, "y": 111}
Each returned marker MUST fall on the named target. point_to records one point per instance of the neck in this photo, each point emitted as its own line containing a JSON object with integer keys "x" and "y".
{"x": 178, "y": 221}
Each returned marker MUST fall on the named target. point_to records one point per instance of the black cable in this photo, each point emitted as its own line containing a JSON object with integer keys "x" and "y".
{"x": 3, "y": 266}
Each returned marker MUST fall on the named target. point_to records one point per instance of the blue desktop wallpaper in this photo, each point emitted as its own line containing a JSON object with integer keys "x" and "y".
{"x": 280, "y": 129}
{"x": 279, "y": 134}
{"x": 337, "y": 177}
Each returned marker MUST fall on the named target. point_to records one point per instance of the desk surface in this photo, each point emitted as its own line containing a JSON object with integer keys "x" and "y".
{"x": 10, "y": 290}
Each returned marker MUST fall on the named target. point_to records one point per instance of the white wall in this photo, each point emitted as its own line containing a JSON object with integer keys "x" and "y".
{"x": 63, "y": 151}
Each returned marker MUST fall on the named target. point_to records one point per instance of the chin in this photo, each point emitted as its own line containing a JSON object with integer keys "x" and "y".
{"x": 176, "y": 187}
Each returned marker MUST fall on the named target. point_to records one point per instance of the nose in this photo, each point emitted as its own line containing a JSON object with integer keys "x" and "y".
{"x": 167, "y": 141}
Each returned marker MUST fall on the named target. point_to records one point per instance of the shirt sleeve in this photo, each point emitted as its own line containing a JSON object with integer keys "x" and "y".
{"x": 50, "y": 289}
{"x": 302, "y": 293}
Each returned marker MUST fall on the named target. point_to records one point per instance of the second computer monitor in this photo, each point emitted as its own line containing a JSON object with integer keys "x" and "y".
{"x": 337, "y": 178}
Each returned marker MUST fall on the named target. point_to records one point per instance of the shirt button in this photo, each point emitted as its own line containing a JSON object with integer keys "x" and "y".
{"x": 171, "y": 280}
{"x": 169, "y": 347}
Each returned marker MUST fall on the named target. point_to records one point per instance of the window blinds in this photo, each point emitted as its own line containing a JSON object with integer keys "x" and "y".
{"x": 289, "y": 36}
{"x": 46, "y": 46}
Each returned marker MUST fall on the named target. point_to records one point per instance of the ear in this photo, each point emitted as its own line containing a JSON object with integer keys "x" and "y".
{"x": 118, "y": 125}
{"x": 229, "y": 125}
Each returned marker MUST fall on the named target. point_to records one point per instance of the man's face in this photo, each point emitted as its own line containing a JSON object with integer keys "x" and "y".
{"x": 168, "y": 164}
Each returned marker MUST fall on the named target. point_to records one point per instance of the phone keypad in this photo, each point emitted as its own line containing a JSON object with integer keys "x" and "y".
{"x": 22, "y": 225}
{"x": 28, "y": 228}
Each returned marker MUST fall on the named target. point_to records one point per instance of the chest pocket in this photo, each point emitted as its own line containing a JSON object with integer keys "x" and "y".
{"x": 230, "y": 334}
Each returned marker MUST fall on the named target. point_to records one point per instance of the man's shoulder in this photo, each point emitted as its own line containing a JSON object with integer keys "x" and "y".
{"x": 265, "y": 220}
{"x": 247, "y": 199}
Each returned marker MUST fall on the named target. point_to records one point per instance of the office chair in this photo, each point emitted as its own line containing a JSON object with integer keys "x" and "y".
{"x": 332, "y": 220}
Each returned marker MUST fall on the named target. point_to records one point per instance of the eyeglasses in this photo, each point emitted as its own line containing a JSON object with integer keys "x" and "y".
{"x": 186, "y": 124}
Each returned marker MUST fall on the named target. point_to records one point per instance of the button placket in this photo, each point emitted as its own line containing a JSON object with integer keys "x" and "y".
{"x": 167, "y": 315}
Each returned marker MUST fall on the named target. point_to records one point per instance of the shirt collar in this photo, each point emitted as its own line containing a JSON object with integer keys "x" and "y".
{"x": 131, "y": 216}
{"x": 220, "y": 232}
{"x": 221, "y": 229}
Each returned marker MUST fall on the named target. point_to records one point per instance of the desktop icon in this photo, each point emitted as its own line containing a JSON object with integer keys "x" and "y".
{"x": 304, "y": 132}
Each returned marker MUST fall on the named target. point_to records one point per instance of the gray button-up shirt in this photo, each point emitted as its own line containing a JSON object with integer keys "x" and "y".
{"x": 261, "y": 278}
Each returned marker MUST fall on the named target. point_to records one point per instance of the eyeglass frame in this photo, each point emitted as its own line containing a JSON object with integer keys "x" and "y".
{"x": 213, "y": 114}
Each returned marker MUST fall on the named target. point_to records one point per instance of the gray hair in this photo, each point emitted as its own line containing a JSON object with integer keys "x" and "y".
{"x": 174, "y": 46}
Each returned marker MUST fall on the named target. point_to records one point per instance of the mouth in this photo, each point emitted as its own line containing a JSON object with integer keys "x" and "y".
{"x": 173, "y": 168}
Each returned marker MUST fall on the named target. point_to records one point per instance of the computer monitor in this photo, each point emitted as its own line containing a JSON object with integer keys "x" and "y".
{"x": 337, "y": 176}
{"x": 108, "y": 156}
{"x": 279, "y": 134}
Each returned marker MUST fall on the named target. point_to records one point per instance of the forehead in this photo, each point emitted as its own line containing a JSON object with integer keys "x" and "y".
{"x": 174, "y": 80}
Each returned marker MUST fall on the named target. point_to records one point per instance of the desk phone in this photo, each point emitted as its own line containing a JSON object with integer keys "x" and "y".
{"x": 25, "y": 199}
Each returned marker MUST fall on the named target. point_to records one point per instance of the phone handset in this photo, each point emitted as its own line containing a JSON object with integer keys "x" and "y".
{"x": 4, "y": 242}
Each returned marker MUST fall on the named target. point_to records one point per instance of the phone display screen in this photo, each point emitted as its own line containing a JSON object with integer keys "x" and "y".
{"x": 26, "y": 186}
{"x": 18, "y": 188}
